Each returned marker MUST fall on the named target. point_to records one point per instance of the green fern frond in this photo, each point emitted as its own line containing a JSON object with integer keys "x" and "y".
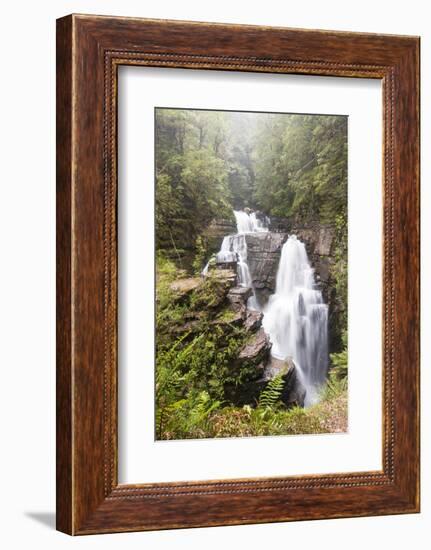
{"x": 272, "y": 393}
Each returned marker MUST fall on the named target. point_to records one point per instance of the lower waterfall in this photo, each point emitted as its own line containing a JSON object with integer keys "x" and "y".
{"x": 296, "y": 319}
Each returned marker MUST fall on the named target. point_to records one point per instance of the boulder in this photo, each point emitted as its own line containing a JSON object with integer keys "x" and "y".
{"x": 226, "y": 276}
{"x": 211, "y": 293}
{"x": 184, "y": 287}
{"x": 229, "y": 318}
{"x": 253, "y": 320}
{"x": 248, "y": 393}
{"x": 250, "y": 369}
{"x": 238, "y": 297}
{"x": 256, "y": 351}
{"x": 226, "y": 265}
{"x": 293, "y": 390}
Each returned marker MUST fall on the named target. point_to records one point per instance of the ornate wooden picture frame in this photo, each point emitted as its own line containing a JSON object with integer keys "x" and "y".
{"x": 89, "y": 51}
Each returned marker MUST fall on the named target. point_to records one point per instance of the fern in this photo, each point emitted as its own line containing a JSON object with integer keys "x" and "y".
{"x": 339, "y": 364}
{"x": 272, "y": 393}
{"x": 339, "y": 371}
{"x": 200, "y": 409}
{"x": 334, "y": 387}
{"x": 186, "y": 417}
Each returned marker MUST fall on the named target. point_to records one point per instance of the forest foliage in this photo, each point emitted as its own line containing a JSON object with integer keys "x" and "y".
{"x": 210, "y": 162}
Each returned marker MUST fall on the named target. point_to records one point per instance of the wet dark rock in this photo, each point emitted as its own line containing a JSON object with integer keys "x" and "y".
{"x": 257, "y": 349}
{"x": 293, "y": 390}
{"x": 248, "y": 393}
{"x": 215, "y": 232}
{"x": 280, "y": 225}
{"x": 250, "y": 368}
{"x": 253, "y": 320}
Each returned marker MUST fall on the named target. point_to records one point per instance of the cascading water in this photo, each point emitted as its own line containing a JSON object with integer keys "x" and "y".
{"x": 296, "y": 318}
{"x": 234, "y": 249}
{"x": 244, "y": 223}
{"x": 249, "y": 223}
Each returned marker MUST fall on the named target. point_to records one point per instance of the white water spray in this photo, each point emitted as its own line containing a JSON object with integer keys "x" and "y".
{"x": 234, "y": 249}
{"x": 249, "y": 223}
{"x": 296, "y": 318}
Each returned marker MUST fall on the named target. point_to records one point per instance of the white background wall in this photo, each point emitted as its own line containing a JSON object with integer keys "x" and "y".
{"x": 27, "y": 238}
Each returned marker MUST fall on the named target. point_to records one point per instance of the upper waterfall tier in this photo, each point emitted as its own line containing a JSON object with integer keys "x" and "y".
{"x": 249, "y": 223}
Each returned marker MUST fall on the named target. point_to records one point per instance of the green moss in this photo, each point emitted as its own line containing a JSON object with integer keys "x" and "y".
{"x": 210, "y": 295}
{"x": 226, "y": 316}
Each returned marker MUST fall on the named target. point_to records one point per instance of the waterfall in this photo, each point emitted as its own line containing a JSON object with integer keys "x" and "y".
{"x": 296, "y": 318}
{"x": 234, "y": 249}
{"x": 244, "y": 223}
{"x": 249, "y": 223}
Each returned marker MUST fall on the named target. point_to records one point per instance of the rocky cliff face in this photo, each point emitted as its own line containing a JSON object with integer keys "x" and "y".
{"x": 319, "y": 242}
{"x": 263, "y": 256}
{"x": 214, "y": 233}
{"x": 264, "y": 250}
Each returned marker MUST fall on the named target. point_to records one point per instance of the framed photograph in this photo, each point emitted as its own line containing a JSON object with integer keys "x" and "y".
{"x": 237, "y": 274}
